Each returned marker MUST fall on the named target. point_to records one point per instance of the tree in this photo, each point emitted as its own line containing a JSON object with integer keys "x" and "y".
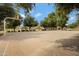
{"x": 52, "y": 20}
{"x": 61, "y": 16}
{"x": 73, "y": 25}
{"x": 6, "y": 10}
{"x": 49, "y": 21}
{"x": 68, "y": 7}
{"x": 10, "y": 10}
{"x": 76, "y": 23}
{"x": 30, "y": 22}
{"x": 45, "y": 23}
{"x": 26, "y": 6}
{"x": 13, "y": 24}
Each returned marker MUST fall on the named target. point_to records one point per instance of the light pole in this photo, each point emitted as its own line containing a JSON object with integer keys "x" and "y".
{"x": 5, "y": 23}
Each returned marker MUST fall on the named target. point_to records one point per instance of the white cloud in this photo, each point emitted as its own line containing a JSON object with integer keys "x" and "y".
{"x": 31, "y": 11}
{"x": 71, "y": 20}
{"x": 22, "y": 15}
{"x": 38, "y": 15}
{"x": 72, "y": 17}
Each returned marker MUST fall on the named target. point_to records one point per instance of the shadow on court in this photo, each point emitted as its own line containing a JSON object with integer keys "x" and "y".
{"x": 71, "y": 43}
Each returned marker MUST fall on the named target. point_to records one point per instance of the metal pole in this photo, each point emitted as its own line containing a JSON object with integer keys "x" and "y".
{"x": 5, "y": 23}
{"x": 5, "y": 26}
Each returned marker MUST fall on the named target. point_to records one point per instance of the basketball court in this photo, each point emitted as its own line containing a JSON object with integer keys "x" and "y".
{"x": 36, "y": 43}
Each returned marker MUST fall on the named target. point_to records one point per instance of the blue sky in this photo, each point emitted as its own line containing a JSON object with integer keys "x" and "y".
{"x": 41, "y": 10}
{"x": 72, "y": 16}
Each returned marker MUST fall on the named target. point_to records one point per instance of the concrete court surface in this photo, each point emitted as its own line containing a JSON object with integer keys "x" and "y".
{"x": 41, "y": 43}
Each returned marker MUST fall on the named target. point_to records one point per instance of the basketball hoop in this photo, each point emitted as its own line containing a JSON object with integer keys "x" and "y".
{"x": 15, "y": 18}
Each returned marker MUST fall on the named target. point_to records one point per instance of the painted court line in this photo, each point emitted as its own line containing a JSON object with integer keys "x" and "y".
{"x": 5, "y": 48}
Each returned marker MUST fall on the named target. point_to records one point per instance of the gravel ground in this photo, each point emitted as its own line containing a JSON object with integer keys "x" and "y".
{"x": 42, "y": 43}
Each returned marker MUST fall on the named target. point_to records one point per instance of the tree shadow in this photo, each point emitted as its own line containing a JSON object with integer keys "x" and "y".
{"x": 71, "y": 43}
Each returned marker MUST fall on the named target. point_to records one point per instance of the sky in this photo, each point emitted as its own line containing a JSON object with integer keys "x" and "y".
{"x": 72, "y": 17}
{"x": 41, "y": 10}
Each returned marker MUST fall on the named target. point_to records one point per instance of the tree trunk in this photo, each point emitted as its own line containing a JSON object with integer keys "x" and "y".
{"x": 29, "y": 28}
{"x": 61, "y": 28}
{"x": 14, "y": 29}
{"x": 25, "y": 28}
{"x": 51, "y": 28}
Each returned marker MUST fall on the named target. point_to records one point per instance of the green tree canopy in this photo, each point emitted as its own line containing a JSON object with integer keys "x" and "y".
{"x": 10, "y": 10}
{"x": 30, "y": 21}
{"x": 13, "y": 23}
{"x": 49, "y": 21}
{"x": 6, "y": 10}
